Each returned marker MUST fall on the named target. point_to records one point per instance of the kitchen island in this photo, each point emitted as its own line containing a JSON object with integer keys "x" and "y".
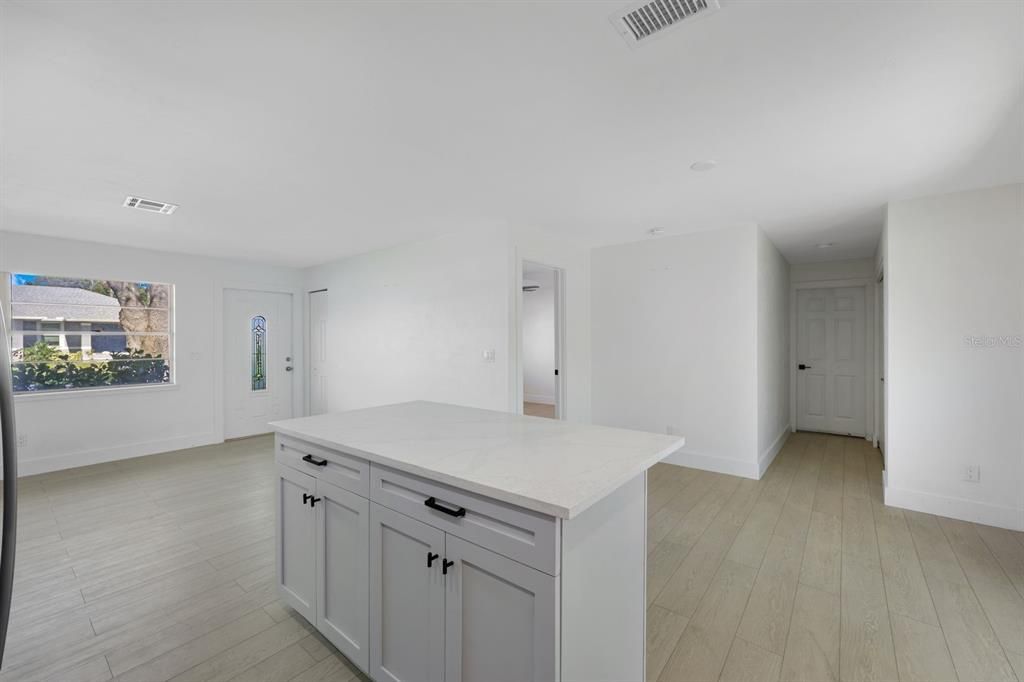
{"x": 433, "y": 542}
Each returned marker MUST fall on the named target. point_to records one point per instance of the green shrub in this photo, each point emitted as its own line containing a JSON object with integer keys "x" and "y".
{"x": 51, "y": 370}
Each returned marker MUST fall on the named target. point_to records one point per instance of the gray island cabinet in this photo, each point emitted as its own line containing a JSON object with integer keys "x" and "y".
{"x": 431, "y": 542}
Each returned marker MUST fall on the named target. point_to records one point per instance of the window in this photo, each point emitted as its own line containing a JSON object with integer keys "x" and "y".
{"x": 259, "y": 353}
{"x": 69, "y": 334}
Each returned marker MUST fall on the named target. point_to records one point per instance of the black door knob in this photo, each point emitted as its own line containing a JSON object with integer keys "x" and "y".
{"x": 803, "y": 366}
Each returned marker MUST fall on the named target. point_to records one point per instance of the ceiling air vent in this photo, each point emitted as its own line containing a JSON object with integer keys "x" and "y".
{"x": 640, "y": 23}
{"x": 151, "y": 206}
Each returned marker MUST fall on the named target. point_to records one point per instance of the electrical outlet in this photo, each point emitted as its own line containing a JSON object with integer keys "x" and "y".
{"x": 22, "y": 440}
{"x": 972, "y": 473}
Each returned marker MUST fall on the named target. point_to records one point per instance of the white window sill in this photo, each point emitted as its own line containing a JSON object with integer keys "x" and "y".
{"x": 33, "y": 396}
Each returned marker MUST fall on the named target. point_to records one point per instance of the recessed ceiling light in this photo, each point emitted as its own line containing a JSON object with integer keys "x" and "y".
{"x": 655, "y": 232}
{"x": 825, "y": 245}
{"x": 702, "y": 166}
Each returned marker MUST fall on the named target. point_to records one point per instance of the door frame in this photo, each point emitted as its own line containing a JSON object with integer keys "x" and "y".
{"x": 879, "y": 439}
{"x": 298, "y": 351}
{"x": 517, "y": 341}
{"x": 869, "y": 284}
{"x": 307, "y": 347}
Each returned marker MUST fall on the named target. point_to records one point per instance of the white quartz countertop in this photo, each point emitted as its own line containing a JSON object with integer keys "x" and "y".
{"x": 553, "y": 467}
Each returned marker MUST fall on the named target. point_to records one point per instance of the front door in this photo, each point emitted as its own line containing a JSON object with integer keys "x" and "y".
{"x": 257, "y": 360}
{"x": 831, "y": 350}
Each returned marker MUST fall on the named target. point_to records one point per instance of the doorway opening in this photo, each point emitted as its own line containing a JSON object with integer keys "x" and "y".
{"x": 541, "y": 340}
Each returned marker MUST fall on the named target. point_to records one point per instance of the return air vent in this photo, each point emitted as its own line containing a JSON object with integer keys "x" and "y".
{"x": 148, "y": 205}
{"x": 640, "y": 23}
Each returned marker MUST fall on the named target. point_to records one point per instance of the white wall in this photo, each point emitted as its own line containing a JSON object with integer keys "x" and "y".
{"x": 954, "y": 268}
{"x": 773, "y": 356}
{"x": 675, "y": 324}
{"x": 412, "y": 322}
{"x": 74, "y": 429}
{"x": 832, "y": 270}
{"x": 539, "y": 339}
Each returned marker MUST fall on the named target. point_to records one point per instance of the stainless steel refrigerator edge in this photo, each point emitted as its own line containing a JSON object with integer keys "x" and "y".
{"x": 9, "y": 443}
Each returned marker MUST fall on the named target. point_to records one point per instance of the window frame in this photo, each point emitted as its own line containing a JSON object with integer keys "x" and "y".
{"x": 6, "y": 300}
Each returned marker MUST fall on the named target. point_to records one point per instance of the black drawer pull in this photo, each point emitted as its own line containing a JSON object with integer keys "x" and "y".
{"x": 432, "y": 503}
{"x": 445, "y": 565}
{"x": 430, "y": 558}
{"x": 315, "y": 460}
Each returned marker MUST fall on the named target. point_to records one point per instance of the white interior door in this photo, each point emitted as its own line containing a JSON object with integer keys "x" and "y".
{"x": 257, "y": 360}
{"x": 318, "y": 352}
{"x": 831, "y": 352}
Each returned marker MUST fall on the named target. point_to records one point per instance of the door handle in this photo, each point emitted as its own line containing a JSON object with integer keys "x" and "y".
{"x": 430, "y": 558}
{"x": 445, "y": 565}
{"x": 803, "y": 366}
{"x": 305, "y": 498}
{"x": 315, "y": 460}
{"x": 314, "y": 500}
{"x": 288, "y": 368}
{"x": 432, "y": 503}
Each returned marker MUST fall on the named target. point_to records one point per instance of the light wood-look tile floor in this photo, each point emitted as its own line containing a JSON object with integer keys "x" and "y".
{"x": 161, "y": 568}
{"x": 806, "y": 575}
{"x": 539, "y": 410}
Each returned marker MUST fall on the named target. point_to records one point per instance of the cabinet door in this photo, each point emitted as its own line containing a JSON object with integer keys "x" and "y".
{"x": 343, "y": 570}
{"x": 500, "y": 618}
{"x": 406, "y": 599}
{"x": 296, "y": 549}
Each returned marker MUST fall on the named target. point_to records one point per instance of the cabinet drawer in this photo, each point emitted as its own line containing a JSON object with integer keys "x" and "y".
{"x": 344, "y": 471}
{"x": 516, "y": 533}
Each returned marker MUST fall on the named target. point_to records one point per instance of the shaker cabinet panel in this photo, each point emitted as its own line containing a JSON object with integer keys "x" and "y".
{"x": 296, "y": 547}
{"x": 406, "y": 598}
{"x": 342, "y": 570}
{"x": 500, "y": 618}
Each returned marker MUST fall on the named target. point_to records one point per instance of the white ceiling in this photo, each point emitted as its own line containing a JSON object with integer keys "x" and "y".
{"x": 301, "y": 132}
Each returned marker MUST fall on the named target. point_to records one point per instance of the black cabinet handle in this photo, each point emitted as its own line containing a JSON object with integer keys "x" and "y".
{"x": 802, "y": 366}
{"x": 315, "y": 460}
{"x": 432, "y": 503}
{"x": 314, "y": 500}
{"x": 445, "y": 565}
{"x": 305, "y": 498}
{"x": 430, "y": 558}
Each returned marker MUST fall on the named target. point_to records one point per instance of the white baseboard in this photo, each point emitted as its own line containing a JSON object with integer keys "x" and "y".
{"x": 956, "y": 508}
{"x": 768, "y": 456}
{"x": 27, "y": 466}
{"x": 720, "y": 465}
{"x": 538, "y": 398}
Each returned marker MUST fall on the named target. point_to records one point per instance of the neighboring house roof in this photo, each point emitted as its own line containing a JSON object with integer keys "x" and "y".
{"x": 32, "y": 302}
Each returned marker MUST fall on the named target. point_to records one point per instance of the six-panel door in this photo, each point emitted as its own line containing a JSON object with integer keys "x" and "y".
{"x": 296, "y": 548}
{"x": 406, "y": 598}
{"x": 342, "y": 570}
{"x": 499, "y": 618}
